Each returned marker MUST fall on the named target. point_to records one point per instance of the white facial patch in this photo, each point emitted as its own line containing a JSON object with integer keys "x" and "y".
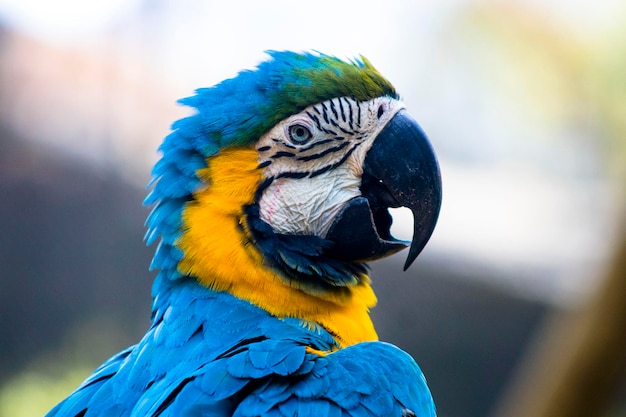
{"x": 315, "y": 160}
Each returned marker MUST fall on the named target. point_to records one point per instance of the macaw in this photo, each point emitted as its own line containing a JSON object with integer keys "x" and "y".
{"x": 268, "y": 202}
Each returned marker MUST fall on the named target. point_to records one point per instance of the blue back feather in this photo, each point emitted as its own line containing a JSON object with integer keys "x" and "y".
{"x": 210, "y": 353}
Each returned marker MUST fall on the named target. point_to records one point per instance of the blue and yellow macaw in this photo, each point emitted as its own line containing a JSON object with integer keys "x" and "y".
{"x": 268, "y": 201}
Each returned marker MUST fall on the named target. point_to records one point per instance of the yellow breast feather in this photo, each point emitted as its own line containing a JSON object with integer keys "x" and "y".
{"x": 221, "y": 255}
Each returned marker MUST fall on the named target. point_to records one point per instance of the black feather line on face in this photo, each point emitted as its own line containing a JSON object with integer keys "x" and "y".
{"x": 300, "y": 259}
{"x": 323, "y": 153}
{"x": 315, "y": 119}
{"x": 316, "y": 144}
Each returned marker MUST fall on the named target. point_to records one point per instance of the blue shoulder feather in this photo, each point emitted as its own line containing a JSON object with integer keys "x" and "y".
{"x": 367, "y": 379}
{"x": 210, "y": 353}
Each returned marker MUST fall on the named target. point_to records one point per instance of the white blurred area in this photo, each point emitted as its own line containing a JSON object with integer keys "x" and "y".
{"x": 505, "y": 91}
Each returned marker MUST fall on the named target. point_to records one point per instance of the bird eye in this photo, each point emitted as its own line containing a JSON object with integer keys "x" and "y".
{"x": 299, "y": 133}
{"x": 381, "y": 110}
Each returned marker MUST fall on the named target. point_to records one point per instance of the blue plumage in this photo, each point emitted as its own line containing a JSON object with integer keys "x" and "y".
{"x": 275, "y": 344}
{"x": 209, "y": 353}
{"x": 342, "y": 378}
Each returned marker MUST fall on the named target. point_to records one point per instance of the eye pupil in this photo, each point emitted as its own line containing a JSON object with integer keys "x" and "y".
{"x": 299, "y": 133}
{"x": 381, "y": 110}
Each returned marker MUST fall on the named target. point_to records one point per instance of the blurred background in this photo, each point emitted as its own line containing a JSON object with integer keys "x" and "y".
{"x": 525, "y": 104}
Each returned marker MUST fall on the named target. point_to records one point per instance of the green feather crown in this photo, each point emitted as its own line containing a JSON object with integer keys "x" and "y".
{"x": 238, "y": 111}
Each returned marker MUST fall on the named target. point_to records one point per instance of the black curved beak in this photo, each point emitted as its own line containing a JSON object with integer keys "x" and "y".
{"x": 400, "y": 170}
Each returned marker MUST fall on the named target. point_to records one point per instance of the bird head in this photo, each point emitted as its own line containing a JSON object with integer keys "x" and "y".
{"x": 291, "y": 169}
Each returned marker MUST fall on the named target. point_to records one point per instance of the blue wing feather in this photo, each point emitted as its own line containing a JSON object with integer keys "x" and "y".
{"x": 367, "y": 379}
{"x": 209, "y": 353}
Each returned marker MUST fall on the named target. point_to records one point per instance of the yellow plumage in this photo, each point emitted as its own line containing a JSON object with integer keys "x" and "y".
{"x": 220, "y": 254}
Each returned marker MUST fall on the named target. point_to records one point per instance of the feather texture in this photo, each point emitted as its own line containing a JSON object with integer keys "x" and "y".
{"x": 236, "y": 113}
{"x": 247, "y": 321}
{"x": 190, "y": 364}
